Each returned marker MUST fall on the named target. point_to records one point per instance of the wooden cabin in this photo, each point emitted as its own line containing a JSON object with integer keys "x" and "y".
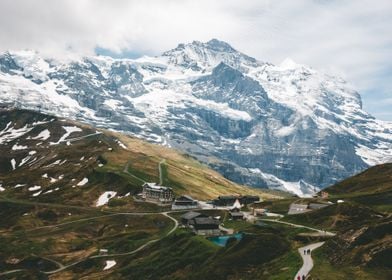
{"x": 205, "y": 226}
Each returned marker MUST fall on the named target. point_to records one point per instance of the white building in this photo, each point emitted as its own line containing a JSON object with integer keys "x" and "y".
{"x": 156, "y": 193}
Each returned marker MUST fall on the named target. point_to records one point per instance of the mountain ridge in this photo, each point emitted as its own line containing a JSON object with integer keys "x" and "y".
{"x": 287, "y": 127}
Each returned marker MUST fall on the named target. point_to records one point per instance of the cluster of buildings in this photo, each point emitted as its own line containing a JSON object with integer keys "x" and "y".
{"x": 199, "y": 223}
{"x": 229, "y": 200}
{"x": 203, "y": 224}
{"x": 162, "y": 195}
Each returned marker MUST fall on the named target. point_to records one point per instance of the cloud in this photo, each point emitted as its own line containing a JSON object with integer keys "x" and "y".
{"x": 351, "y": 38}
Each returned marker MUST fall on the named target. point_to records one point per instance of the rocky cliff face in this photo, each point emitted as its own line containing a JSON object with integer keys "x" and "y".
{"x": 286, "y": 126}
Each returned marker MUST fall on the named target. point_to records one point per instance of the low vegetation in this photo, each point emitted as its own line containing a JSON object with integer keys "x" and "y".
{"x": 62, "y": 224}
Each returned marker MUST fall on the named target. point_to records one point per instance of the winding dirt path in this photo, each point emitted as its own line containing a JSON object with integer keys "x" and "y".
{"x": 320, "y": 232}
{"x": 160, "y": 171}
{"x": 62, "y": 267}
{"x": 11, "y": 271}
{"x": 125, "y": 170}
{"x": 166, "y": 214}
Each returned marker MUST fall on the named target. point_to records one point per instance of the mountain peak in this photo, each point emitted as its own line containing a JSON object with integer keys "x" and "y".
{"x": 199, "y": 55}
{"x": 288, "y": 63}
{"x": 212, "y": 45}
{"x": 218, "y": 45}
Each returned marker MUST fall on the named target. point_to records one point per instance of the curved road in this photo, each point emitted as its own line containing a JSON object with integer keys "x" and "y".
{"x": 166, "y": 214}
{"x": 125, "y": 170}
{"x": 307, "y": 259}
{"x": 62, "y": 267}
{"x": 12, "y": 271}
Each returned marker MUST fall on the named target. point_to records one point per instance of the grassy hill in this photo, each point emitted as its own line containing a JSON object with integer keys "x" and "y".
{"x": 362, "y": 248}
{"x": 40, "y": 162}
{"x": 51, "y": 181}
{"x": 52, "y": 173}
{"x": 373, "y": 188}
{"x": 376, "y": 179}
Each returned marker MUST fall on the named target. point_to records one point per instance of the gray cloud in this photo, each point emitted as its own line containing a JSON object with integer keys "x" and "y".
{"x": 350, "y": 38}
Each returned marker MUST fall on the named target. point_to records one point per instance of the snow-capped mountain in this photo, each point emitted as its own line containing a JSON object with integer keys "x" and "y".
{"x": 286, "y": 126}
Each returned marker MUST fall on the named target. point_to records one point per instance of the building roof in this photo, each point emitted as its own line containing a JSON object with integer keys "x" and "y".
{"x": 236, "y": 214}
{"x": 298, "y": 206}
{"x": 155, "y": 186}
{"x": 223, "y": 197}
{"x": 251, "y": 196}
{"x": 191, "y": 215}
{"x": 184, "y": 198}
{"x": 317, "y": 205}
{"x": 236, "y": 205}
{"x": 205, "y": 221}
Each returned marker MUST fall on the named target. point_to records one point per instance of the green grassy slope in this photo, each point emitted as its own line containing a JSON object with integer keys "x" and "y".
{"x": 373, "y": 188}
{"x": 362, "y": 248}
{"x": 48, "y": 211}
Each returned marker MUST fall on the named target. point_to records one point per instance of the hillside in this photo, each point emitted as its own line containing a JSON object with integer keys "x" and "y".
{"x": 54, "y": 171}
{"x": 373, "y": 187}
{"x": 363, "y": 222}
{"x": 47, "y": 159}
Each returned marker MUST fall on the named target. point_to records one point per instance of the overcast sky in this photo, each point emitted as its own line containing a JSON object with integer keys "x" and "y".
{"x": 349, "y": 38}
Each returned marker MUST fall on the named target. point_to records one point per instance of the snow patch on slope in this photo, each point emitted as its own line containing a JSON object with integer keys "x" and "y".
{"x": 373, "y": 156}
{"x": 300, "y": 188}
{"x": 68, "y": 131}
{"x": 9, "y": 133}
{"x": 82, "y": 182}
{"x": 16, "y": 147}
{"x": 109, "y": 264}
{"x": 105, "y": 197}
{"x": 43, "y": 135}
